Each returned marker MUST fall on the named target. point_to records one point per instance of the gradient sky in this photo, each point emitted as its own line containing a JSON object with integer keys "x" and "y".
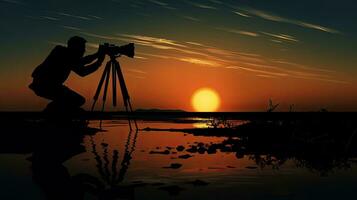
{"x": 294, "y": 52}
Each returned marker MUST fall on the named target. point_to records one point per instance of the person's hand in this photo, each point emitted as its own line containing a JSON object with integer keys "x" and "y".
{"x": 101, "y": 53}
{"x": 101, "y": 50}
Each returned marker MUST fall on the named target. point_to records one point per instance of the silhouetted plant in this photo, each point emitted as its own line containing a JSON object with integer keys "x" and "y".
{"x": 272, "y": 107}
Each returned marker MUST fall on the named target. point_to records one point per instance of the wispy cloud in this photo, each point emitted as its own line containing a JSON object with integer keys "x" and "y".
{"x": 240, "y": 32}
{"x": 71, "y": 28}
{"x": 282, "y": 37}
{"x": 49, "y": 18}
{"x": 13, "y": 2}
{"x": 73, "y": 16}
{"x": 303, "y": 66}
{"x": 241, "y": 14}
{"x": 153, "y": 39}
{"x": 203, "y": 6}
{"x": 200, "y": 61}
{"x": 95, "y": 17}
{"x": 137, "y": 71}
{"x": 266, "y": 76}
{"x": 257, "y": 71}
{"x": 191, "y": 18}
{"x": 57, "y": 43}
{"x": 277, "y": 18}
{"x": 160, "y": 3}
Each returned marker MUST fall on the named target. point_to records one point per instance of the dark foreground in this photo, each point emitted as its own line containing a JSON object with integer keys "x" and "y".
{"x": 180, "y": 155}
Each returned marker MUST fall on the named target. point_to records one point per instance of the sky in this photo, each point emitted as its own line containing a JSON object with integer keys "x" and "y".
{"x": 299, "y": 53}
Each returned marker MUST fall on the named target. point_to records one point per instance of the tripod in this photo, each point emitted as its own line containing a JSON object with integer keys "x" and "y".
{"x": 114, "y": 65}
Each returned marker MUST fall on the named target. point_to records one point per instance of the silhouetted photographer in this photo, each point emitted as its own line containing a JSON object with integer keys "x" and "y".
{"x": 49, "y": 76}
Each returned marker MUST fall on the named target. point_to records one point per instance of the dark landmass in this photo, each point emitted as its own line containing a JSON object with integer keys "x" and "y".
{"x": 158, "y": 110}
{"x": 170, "y": 115}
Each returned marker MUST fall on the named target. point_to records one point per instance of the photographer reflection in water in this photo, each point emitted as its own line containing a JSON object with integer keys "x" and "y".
{"x": 49, "y": 77}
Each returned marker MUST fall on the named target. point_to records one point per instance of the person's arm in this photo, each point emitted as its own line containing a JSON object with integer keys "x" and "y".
{"x": 83, "y": 70}
{"x": 89, "y": 58}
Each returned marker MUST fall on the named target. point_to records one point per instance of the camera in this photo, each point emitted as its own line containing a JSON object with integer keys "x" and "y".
{"x": 114, "y": 50}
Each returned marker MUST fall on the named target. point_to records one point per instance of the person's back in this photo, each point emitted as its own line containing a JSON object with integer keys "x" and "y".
{"x": 54, "y": 70}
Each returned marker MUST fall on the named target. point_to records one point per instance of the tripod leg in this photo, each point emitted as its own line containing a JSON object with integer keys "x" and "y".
{"x": 124, "y": 90}
{"x": 105, "y": 89}
{"x": 106, "y": 86}
{"x": 131, "y": 109}
{"x": 95, "y": 98}
{"x": 114, "y": 87}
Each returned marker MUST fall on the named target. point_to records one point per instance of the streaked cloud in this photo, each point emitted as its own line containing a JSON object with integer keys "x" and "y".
{"x": 241, "y": 32}
{"x": 200, "y": 61}
{"x": 277, "y": 18}
{"x": 95, "y": 17}
{"x": 216, "y": 1}
{"x": 241, "y": 14}
{"x": 49, "y": 18}
{"x": 13, "y": 2}
{"x": 303, "y": 66}
{"x": 71, "y": 28}
{"x": 257, "y": 71}
{"x": 266, "y": 76}
{"x": 153, "y": 39}
{"x": 203, "y": 6}
{"x": 160, "y": 3}
{"x": 73, "y": 16}
{"x": 191, "y": 18}
{"x": 282, "y": 37}
{"x": 136, "y": 71}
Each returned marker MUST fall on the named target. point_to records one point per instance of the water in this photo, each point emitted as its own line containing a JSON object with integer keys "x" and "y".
{"x": 130, "y": 165}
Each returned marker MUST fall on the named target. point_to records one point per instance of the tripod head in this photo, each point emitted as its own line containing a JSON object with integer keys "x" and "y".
{"x": 116, "y": 51}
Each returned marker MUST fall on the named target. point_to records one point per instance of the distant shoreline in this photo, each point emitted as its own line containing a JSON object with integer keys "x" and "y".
{"x": 172, "y": 115}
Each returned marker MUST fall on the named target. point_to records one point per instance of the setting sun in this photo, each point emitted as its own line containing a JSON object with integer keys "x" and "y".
{"x": 205, "y": 100}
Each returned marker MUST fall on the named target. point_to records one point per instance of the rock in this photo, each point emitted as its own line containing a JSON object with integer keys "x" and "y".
{"x": 193, "y": 149}
{"x": 186, "y": 156}
{"x": 212, "y": 150}
{"x": 201, "y": 150}
{"x": 174, "y": 166}
{"x": 180, "y": 148}
{"x": 166, "y": 152}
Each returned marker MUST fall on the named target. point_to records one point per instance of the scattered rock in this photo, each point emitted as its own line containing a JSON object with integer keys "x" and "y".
{"x": 166, "y": 152}
{"x": 212, "y": 149}
{"x": 201, "y": 150}
{"x": 200, "y": 144}
{"x": 180, "y": 148}
{"x": 193, "y": 149}
{"x": 186, "y": 156}
{"x": 174, "y": 166}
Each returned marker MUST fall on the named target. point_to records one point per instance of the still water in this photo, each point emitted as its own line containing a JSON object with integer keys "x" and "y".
{"x": 116, "y": 163}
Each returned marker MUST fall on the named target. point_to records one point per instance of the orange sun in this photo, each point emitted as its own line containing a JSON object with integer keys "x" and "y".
{"x": 205, "y": 100}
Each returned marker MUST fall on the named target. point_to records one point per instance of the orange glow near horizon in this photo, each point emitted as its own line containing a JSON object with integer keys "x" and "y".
{"x": 205, "y": 100}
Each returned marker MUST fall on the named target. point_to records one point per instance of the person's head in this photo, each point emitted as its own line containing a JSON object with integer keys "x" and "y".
{"x": 77, "y": 46}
